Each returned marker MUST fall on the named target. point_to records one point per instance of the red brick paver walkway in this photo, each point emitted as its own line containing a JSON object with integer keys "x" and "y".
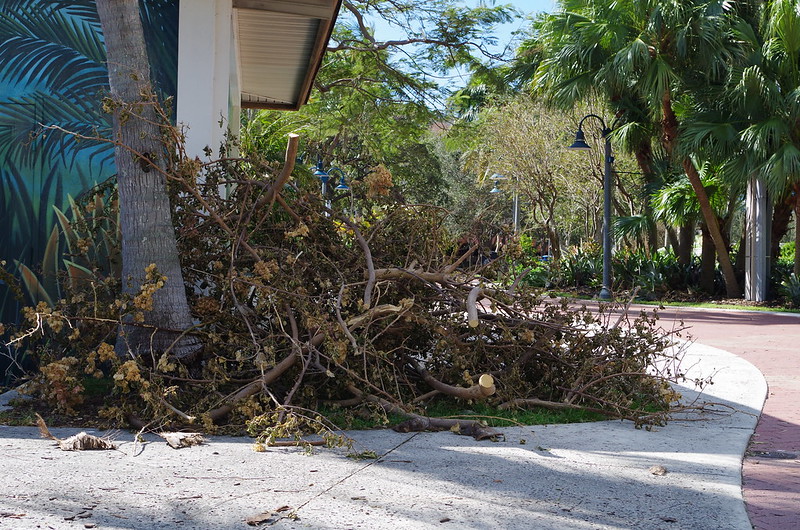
{"x": 771, "y": 342}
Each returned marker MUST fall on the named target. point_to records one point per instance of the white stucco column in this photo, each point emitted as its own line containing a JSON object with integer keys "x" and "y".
{"x": 206, "y": 60}
{"x": 757, "y": 241}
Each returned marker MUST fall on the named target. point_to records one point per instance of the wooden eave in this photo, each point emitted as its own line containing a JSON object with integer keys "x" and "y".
{"x": 280, "y": 45}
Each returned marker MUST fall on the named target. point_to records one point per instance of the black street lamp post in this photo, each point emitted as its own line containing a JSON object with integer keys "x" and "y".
{"x": 581, "y": 145}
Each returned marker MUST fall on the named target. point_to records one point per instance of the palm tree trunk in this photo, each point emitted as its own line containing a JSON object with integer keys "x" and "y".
{"x": 672, "y": 237}
{"x": 732, "y": 288}
{"x": 796, "y": 229}
{"x": 685, "y": 243}
{"x": 671, "y": 132}
{"x": 644, "y": 159}
{"x": 148, "y": 236}
{"x": 707, "y": 262}
{"x": 781, "y": 217}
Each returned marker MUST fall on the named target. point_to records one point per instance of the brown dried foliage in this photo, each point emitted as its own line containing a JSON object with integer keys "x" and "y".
{"x": 298, "y": 306}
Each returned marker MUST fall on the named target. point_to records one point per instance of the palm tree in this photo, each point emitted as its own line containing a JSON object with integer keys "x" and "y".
{"x": 676, "y": 205}
{"x": 148, "y": 236}
{"x": 754, "y": 123}
{"x": 641, "y": 57}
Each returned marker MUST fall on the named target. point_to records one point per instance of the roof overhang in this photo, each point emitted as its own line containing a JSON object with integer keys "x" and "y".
{"x": 280, "y": 44}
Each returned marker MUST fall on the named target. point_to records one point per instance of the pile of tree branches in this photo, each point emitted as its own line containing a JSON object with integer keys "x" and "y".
{"x": 363, "y": 303}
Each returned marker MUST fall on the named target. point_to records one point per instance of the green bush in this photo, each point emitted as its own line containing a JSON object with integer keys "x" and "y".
{"x": 786, "y": 256}
{"x": 655, "y": 274}
{"x": 790, "y": 289}
{"x": 580, "y": 267}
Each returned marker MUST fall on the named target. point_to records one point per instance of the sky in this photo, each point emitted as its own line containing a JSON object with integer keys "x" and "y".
{"x": 504, "y": 33}
{"x": 528, "y": 8}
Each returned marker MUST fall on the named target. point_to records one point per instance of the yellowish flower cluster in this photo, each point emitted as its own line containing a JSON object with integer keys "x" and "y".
{"x": 104, "y": 352}
{"x": 61, "y": 386}
{"x": 266, "y": 269}
{"x": 153, "y": 282}
{"x": 129, "y": 373}
{"x": 379, "y": 182}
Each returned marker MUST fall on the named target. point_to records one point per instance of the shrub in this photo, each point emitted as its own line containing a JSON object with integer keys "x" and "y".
{"x": 790, "y": 289}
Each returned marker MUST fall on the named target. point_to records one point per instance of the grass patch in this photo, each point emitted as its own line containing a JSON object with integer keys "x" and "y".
{"x": 19, "y": 416}
{"x": 741, "y": 305}
{"x": 495, "y": 417}
{"x": 720, "y": 305}
{"x": 366, "y": 418}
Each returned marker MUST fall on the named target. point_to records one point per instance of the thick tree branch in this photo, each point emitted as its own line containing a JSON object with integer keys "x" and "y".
{"x": 417, "y": 423}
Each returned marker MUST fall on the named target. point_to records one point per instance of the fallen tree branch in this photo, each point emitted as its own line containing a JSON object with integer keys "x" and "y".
{"x": 513, "y": 289}
{"x": 418, "y": 423}
{"x": 453, "y": 266}
{"x": 255, "y": 387}
{"x": 285, "y": 174}
{"x": 296, "y": 443}
{"x": 400, "y": 274}
{"x": 480, "y": 391}
{"x": 371, "y": 279}
{"x": 555, "y": 405}
{"x": 378, "y": 312}
{"x": 472, "y": 306}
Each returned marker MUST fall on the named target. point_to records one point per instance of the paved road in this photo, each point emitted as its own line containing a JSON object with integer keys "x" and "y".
{"x": 549, "y": 477}
{"x": 771, "y": 342}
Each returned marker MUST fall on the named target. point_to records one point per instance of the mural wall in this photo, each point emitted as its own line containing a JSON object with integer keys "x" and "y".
{"x": 52, "y": 81}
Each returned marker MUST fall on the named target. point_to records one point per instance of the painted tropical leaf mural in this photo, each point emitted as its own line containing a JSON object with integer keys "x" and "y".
{"x": 53, "y": 77}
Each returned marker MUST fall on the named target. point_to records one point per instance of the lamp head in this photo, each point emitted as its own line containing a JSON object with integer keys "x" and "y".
{"x": 321, "y": 174}
{"x": 580, "y": 142}
{"x": 342, "y": 184}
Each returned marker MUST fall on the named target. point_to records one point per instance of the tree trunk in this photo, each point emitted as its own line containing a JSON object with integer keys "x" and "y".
{"x": 145, "y": 216}
{"x": 732, "y": 288}
{"x": 672, "y": 238}
{"x": 686, "y": 244}
{"x": 781, "y": 217}
{"x": 644, "y": 159}
{"x": 796, "y": 230}
{"x": 555, "y": 243}
{"x": 671, "y": 132}
{"x": 707, "y": 262}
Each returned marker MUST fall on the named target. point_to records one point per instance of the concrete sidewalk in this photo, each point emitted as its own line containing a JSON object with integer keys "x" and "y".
{"x": 771, "y": 341}
{"x": 594, "y": 475}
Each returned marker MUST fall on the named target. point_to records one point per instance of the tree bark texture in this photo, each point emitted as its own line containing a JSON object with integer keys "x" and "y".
{"x": 707, "y": 262}
{"x": 781, "y": 217}
{"x": 145, "y": 215}
{"x": 796, "y": 268}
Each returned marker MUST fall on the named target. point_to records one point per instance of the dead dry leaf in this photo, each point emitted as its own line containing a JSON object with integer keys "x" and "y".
{"x": 177, "y": 440}
{"x": 79, "y": 442}
{"x": 85, "y": 442}
{"x": 256, "y": 520}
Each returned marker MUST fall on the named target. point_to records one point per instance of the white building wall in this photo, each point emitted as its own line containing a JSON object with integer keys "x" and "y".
{"x": 206, "y": 68}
